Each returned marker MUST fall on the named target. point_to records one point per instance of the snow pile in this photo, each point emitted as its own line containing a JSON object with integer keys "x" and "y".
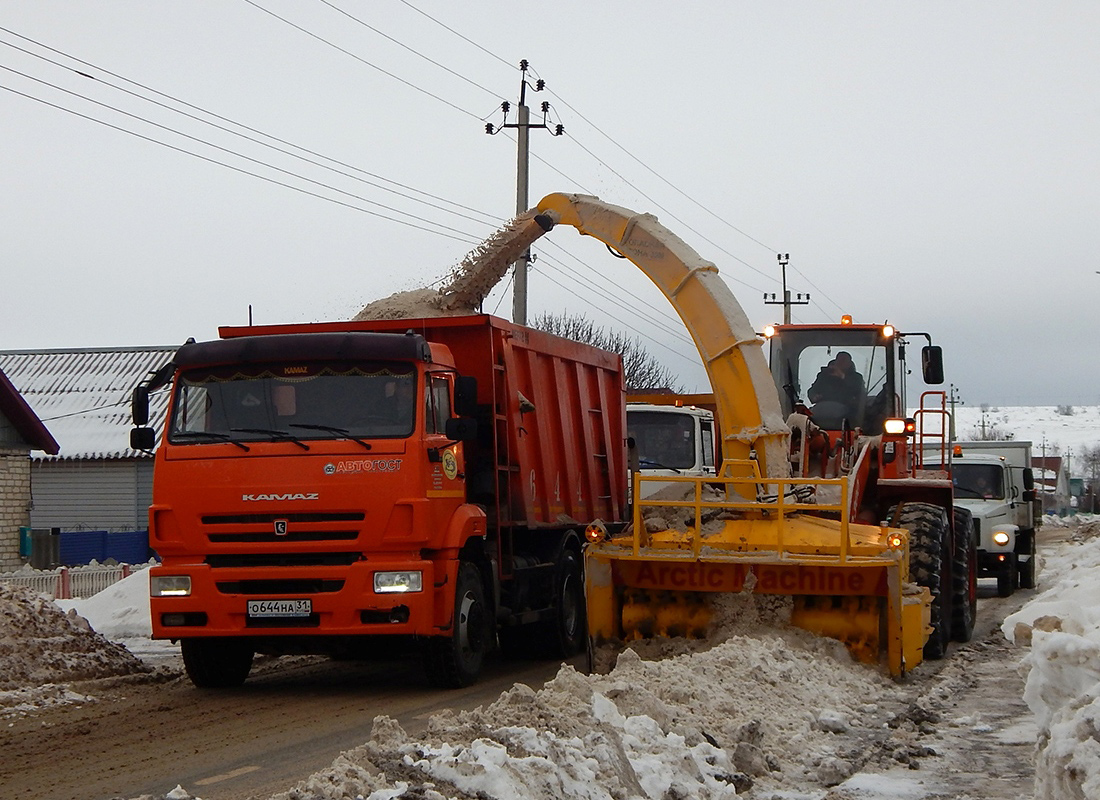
{"x": 1063, "y": 668}
{"x": 41, "y": 644}
{"x": 121, "y": 611}
{"x": 766, "y": 711}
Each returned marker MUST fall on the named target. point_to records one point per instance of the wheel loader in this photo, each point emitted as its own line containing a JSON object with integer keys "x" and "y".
{"x": 861, "y": 565}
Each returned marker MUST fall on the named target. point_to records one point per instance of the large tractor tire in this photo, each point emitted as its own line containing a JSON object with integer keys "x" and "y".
{"x": 452, "y": 662}
{"x": 216, "y": 663}
{"x": 929, "y": 566}
{"x": 964, "y": 577}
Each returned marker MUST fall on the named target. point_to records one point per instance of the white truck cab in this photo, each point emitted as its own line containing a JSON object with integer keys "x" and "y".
{"x": 669, "y": 440}
{"x": 993, "y": 480}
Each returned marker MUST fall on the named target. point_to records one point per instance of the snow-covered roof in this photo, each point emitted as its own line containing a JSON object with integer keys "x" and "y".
{"x": 83, "y": 395}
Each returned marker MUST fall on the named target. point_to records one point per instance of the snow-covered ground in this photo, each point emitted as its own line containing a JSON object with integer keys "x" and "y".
{"x": 780, "y": 710}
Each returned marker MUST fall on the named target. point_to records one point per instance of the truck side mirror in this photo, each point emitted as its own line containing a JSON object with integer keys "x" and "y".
{"x": 931, "y": 358}
{"x": 1029, "y": 479}
{"x": 465, "y": 396}
{"x": 461, "y": 429}
{"x": 143, "y": 439}
{"x": 139, "y": 405}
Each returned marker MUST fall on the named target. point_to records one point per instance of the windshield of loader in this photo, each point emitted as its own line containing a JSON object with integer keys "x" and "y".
{"x": 978, "y": 480}
{"x": 663, "y": 440}
{"x": 837, "y": 374}
{"x": 322, "y": 400}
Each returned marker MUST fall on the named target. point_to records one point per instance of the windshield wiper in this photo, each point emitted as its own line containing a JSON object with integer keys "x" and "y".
{"x": 656, "y": 464}
{"x": 342, "y": 432}
{"x": 281, "y": 435}
{"x": 220, "y": 437}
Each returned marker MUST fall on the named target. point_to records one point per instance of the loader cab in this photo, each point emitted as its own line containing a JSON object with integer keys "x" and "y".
{"x": 844, "y": 376}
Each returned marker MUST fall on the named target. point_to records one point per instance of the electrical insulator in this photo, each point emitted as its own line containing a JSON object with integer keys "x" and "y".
{"x": 545, "y": 106}
{"x": 523, "y": 64}
{"x": 488, "y": 127}
{"x": 540, "y": 84}
{"x": 505, "y": 106}
{"x": 559, "y": 130}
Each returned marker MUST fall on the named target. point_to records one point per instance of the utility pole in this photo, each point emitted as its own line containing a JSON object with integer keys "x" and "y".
{"x": 523, "y": 127}
{"x": 954, "y": 399}
{"x": 786, "y": 302}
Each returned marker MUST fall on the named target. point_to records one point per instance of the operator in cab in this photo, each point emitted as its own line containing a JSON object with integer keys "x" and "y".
{"x": 837, "y": 391}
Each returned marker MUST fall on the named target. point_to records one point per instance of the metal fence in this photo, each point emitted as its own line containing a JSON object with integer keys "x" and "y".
{"x": 68, "y": 583}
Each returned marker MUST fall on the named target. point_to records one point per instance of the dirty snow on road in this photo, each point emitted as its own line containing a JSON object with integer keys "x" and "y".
{"x": 764, "y": 713}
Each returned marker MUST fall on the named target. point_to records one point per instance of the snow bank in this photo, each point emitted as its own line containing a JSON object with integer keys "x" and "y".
{"x": 41, "y": 645}
{"x": 780, "y": 710}
{"x": 1062, "y": 625}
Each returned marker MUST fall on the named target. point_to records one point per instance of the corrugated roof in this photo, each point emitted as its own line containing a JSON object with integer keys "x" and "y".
{"x": 83, "y": 395}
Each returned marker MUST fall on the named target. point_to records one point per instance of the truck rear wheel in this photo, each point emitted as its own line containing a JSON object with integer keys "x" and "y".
{"x": 964, "y": 578}
{"x": 929, "y": 560}
{"x": 569, "y": 630}
{"x": 216, "y": 663}
{"x": 455, "y": 661}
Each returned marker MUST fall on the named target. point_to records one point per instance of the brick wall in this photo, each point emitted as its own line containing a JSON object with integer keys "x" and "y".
{"x": 15, "y": 501}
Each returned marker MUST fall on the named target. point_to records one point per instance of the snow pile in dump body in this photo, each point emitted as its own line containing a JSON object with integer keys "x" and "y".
{"x": 42, "y": 646}
{"x": 754, "y": 713}
{"x": 468, "y": 282}
{"x": 1062, "y": 625}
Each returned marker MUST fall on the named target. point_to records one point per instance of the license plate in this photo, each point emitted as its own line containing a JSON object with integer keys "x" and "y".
{"x": 280, "y": 608}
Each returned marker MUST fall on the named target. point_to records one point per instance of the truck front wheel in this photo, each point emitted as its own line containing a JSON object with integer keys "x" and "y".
{"x": 216, "y": 663}
{"x": 455, "y": 661}
{"x": 1026, "y": 566}
{"x": 1008, "y": 579}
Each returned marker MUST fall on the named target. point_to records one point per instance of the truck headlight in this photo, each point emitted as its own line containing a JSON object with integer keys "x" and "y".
{"x": 1001, "y": 538}
{"x": 398, "y": 582}
{"x": 169, "y": 585}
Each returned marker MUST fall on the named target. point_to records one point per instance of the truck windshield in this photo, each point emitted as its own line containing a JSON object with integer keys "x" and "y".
{"x": 978, "y": 480}
{"x": 838, "y": 375}
{"x": 663, "y": 440}
{"x": 324, "y": 400}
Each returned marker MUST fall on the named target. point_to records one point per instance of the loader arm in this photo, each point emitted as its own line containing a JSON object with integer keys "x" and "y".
{"x": 747, "y": 402}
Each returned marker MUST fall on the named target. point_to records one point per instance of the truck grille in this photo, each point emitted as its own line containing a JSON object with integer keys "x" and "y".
{"x": 291, "y": 536}
{"x": 287, "y": 586}
{"x": 254, "y": 519}
{"x": 228, "y": 560}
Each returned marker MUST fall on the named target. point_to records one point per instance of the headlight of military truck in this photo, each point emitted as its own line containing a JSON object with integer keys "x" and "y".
{"x": 1000, "y": 538}
{"x": 169, "y": 585}
{"x": 398, "y": 582}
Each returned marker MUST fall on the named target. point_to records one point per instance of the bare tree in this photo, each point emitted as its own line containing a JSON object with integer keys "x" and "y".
{"x": 641, "y": 370}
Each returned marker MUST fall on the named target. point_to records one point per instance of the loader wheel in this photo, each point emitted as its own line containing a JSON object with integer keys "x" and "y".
{"x": 964, "y": 578}
{"x": 216, "y": 663}
{"x": 929, "y": 560}
{"x": 452, "y": 662}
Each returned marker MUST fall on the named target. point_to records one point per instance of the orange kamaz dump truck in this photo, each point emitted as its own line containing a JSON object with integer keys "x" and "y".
{"x": 352, "y": 488}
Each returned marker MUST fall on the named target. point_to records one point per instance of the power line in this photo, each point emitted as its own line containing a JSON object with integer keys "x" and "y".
{"x": 462, "y": 237}
{"x": 360, "y": 59}
{"x": 412, "y": 50}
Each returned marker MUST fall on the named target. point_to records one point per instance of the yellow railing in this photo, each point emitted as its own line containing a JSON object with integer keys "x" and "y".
{"x": 778, "y": 505}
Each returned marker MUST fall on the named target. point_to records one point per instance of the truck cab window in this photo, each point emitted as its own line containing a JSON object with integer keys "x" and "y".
{"x": 437, "y": 405}
{"x": 272, "y": 402}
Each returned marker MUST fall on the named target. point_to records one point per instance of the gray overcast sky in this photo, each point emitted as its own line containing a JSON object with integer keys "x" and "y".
{"x": 933, "y": 164}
